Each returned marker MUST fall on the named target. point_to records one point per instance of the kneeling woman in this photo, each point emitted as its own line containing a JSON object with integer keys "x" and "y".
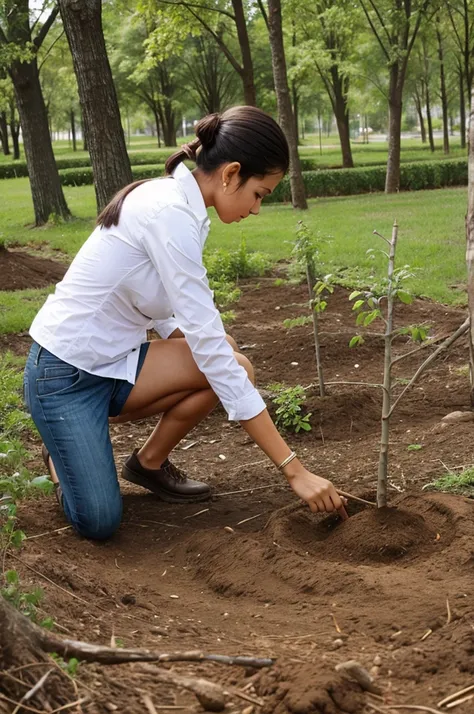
{"x": 142, "y": 267}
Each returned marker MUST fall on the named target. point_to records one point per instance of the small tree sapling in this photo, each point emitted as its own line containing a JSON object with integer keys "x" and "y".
{"x": 306, "y": 250}
{"x": 378, "y": 303}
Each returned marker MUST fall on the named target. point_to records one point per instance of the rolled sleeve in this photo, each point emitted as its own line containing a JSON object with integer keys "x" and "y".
{"x": 172, "y": 241}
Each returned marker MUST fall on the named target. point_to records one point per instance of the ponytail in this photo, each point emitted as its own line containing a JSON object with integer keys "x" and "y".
{"x": 245, "y": 134}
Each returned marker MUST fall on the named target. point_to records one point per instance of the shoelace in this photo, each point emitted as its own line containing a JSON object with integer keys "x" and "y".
{"x": 173, "y": 471}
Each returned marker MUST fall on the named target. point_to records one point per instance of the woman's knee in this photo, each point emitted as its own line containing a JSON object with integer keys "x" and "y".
{"x": 246, "y": 364}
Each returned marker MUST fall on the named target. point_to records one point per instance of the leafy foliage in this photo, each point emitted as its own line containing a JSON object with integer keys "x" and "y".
{"x": 289, "y": 402}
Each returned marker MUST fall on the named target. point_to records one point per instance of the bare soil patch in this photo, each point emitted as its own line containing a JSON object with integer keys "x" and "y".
{"x": 309, "y": 590}
{"x": 20, "y": 271}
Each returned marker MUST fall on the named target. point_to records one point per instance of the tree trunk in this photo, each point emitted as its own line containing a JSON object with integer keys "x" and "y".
{"x": 421, "y": 118}
{"x": 340, "y": 107}
{"x": 46, "y": 190}
{"x": 15, "y": 134}
{"x": 294, "y": 93}
{"x": 73, "y": 130}
{"x": 82, "y": 20}
{"x": 462, "y": 109}
{"x": 157, "y": 125}
{"x": 429, "y": 121}
{"x": 392, "y": 181}
{"x": 285, "y": 112}
{"x": 250, "y": 95}
{"x": 443, "y": 92}
{"x": 470, "y": 246}
{"x": 4, "y": 133}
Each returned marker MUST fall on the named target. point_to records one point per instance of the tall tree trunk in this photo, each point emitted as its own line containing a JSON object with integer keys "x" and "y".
{"x": 421, "y": 118}
{"x": 470, "y": 246}
{"x": 429, "y": 120}
{"x": 46, "y": 190}
{"x": 82, "y": 20}
{"x": 157, "y": 125}
{"x": 443, "y": 92}
{"x": 73, "y": 130}
{"x": 4, "y": 133}
{"x": 285, "y": 112}
{"x": 15, "y": 134}
{"x": 462, "y": 108}
{"x": 250, "y": 95}
{"x": 341, "y": 112}
{"x": 294, "y": 93}
{"x": 392, "y": 181}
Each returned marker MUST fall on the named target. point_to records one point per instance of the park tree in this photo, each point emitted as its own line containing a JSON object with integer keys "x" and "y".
{"x": 211, "y": 17}
{"x": 82, "y": 20}
{"x": 328, "y": 42}
{"x": 285, "y": 111}
{"x": 461, "y": 20}
{"x": 395, "y": 25}
{"x": 212, "y": 81}
{"x": 19, "y": 44}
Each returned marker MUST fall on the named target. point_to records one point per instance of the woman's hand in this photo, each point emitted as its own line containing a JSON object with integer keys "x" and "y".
{"x": 318, "y": 492}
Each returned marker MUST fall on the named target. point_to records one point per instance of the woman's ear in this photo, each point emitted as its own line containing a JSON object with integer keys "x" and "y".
{"x": 230, "y": 173}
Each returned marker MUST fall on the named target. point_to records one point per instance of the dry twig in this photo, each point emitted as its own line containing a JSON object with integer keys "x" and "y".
{"x": 31, "y": 692}
{"x": 451, "y": 697}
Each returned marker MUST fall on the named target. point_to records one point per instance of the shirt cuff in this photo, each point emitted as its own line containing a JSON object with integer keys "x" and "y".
{"x": 166, "y": 327}
{"x": 246, "y": 408}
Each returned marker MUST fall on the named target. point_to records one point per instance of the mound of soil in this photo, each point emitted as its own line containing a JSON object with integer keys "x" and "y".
{"x": 21, "y": 271}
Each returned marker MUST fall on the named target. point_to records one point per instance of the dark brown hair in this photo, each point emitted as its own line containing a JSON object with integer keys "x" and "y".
{"x": 244, "y": 134}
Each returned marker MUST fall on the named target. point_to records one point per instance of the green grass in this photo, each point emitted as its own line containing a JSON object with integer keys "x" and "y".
{"x": 18, "y": 308}
{"x": 431, "y": 237}
{"x": 363, "y": 154}
{"x": 459, "y": 483}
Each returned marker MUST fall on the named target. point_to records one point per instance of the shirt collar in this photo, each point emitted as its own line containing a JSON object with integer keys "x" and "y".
{"x": 191, "y": 190}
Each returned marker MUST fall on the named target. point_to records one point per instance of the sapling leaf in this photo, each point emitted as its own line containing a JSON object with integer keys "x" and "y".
{"x": 357, "y": 305}
{"x": 360, "y": 318}
{"x": 355, "y": 294}
{"x": 356, "y": 340}
{"x": 404, "y": 297}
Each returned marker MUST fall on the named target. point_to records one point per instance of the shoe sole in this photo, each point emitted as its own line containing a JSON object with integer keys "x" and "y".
{"x": 138, "y": 480}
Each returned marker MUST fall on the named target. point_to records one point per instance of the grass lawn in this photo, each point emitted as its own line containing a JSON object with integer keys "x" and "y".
{"x": 432, "y": 237}
{"x": 363, "y": 154}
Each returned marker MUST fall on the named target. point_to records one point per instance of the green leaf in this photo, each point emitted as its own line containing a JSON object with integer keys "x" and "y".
{"x": 11, "y": 577}
{"x": 404, "y": 297}
{"x": 44, "y": 483}
{"x": 355, "y": 294}
{"x": 17, "y": 538}
{"x": 356, "y": 340}
{"x": 360, "y": 318}
{"x": 414, "y": 447}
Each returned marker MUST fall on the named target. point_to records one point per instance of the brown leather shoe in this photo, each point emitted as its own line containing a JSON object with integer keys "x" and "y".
{"x": 167, "y": 482}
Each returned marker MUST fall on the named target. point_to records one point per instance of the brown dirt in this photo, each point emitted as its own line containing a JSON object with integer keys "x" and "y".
{"x": 20, "y": 271}
{"x": 310, "y": 590}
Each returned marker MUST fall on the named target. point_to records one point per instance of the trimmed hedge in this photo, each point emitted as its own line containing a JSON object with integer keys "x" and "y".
{"x": 346, "y": 182}
{"x": 83, "y": 177}
{"x": 17, "y": 169}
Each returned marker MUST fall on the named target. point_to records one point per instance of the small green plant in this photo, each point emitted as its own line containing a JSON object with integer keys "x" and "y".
{"x": 414, "y": 447}
{"x": 70, "y": 666}
{"x": 306, "y": 252}
{"x": 289, "y": 402}
{"x": 228, "y": 317}
{"x": 26, "y": 602}
{"x": 460, "y": 483}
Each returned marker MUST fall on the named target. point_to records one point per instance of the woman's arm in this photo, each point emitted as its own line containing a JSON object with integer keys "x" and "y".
{"x": 318, "y": 492}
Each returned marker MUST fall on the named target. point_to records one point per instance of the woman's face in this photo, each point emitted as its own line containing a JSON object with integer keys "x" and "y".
{"x": 233, "y": 203}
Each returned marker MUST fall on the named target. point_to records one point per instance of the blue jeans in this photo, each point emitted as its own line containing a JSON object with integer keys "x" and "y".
{"x": 71, "y": 408}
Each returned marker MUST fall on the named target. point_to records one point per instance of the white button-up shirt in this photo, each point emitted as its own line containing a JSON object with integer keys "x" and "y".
{"x": 145, "y": 272}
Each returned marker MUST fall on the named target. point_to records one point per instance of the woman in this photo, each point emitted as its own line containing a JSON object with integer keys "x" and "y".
{"x": 140, "y": 268}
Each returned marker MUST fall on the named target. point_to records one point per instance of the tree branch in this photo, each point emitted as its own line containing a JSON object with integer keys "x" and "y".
{"x": 264, "y": 14}
{"x": 374, "y": 30}
{"x": 380, "y": 19}
{"x": 49, "y": 50}
{"x": 443, "y": 346}
{"x": 187, "y": 5}
{"x": 221, "y": 44}
{"x": 39, "y": 39}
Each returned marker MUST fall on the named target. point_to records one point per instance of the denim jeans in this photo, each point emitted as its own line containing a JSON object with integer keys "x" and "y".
{"x": 70, "y": 408}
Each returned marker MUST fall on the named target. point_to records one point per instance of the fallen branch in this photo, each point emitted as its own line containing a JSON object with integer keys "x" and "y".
{"x": 31, "y": 692}
{"x": 211, "y": 696}
{"x": 454, "y": 696}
